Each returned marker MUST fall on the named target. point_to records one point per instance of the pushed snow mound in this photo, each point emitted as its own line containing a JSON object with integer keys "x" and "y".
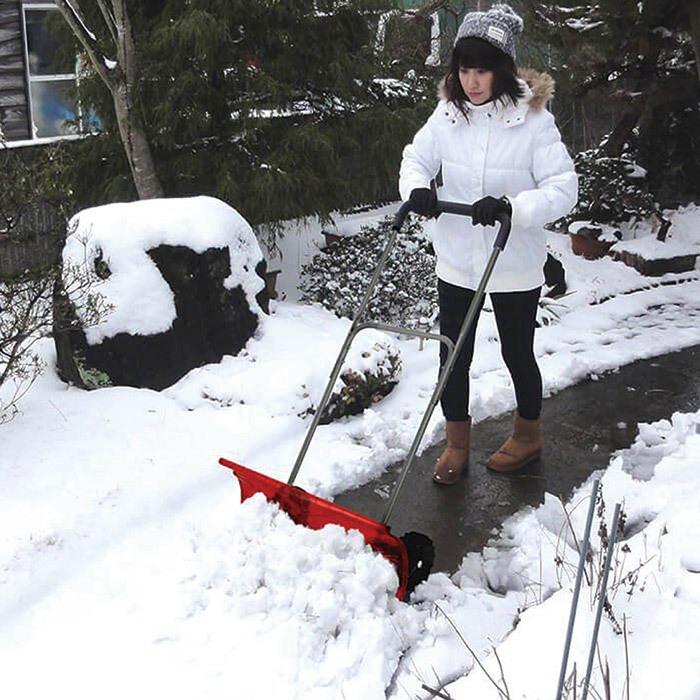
{"x": 322, "y": 603}
{"x": 120, "y": 236}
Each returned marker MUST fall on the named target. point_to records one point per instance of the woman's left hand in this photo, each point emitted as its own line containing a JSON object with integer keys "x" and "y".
{"x": 485, "y": 211}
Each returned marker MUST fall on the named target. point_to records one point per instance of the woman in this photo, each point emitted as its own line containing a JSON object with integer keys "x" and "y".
{"x": 499, "y": 149}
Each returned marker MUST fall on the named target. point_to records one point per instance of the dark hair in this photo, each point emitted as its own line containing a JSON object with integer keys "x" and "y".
{"x": 472, "y": 52}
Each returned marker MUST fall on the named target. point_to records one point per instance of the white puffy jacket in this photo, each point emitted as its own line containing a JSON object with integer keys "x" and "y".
{"x": 515, "y": 151}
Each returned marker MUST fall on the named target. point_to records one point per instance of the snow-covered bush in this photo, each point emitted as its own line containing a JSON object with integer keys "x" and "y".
{"x": 406, "y": 293}
{"x": 182, "y": 278}
{"x": 611, "y": 190}
{"x": 362, "y": 389}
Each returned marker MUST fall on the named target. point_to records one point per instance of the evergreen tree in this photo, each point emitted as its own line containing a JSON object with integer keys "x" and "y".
{"x": 639, "y": 58}
{"x": 281, "y": 109}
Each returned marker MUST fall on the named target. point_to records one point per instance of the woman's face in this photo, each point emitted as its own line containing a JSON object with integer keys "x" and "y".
{"x": 477, "y": 84}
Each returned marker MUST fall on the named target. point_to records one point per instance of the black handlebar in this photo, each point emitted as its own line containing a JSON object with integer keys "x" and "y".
{"x": 461, "y": 210}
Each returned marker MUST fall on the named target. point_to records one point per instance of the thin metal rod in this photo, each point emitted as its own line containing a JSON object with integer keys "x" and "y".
{"x": 407, "y": 331}
{"x": 453, "y": 351}
{"x": 612, "y": 537}
{"x": 335, "y": 372}
{"x": 577, "y": 587}
{"x": 474, "y": 309}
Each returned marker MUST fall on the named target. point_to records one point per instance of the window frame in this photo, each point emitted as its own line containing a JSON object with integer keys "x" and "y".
{"x": 49, "y": 78}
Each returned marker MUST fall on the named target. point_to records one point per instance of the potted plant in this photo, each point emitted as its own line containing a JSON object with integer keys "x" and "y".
{"x": 591, "y": 240}
{"x": 612, "y": 199}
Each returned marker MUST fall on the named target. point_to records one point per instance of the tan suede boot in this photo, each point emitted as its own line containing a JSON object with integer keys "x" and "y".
{"x": 521, "y": 448}
{"x": 450, "y": 464}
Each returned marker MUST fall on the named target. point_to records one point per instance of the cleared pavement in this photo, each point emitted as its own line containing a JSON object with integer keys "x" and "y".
{"x": 583, "y": 426}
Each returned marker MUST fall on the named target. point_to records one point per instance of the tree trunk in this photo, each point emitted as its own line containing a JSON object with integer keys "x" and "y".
{"x": 120, "y": 82}
{"x": 131, "y": 126}
{"x": 138, "y": 151}
{"x": 622, "y": 131}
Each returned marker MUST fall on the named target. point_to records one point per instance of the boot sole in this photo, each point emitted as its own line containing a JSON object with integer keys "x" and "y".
{"x": 519, "y": 466}
{"x": 442, "y": 482}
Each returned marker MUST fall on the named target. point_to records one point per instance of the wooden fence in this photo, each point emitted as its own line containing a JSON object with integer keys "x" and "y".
{"x": 35, "y": 243}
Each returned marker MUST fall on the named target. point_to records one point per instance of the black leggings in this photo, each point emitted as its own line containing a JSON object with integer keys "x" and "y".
{"x": 515, "y": 318}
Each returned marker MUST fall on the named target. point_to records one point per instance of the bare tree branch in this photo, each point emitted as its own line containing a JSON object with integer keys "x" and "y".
{"x": 70, "y": 9}
{"x": 109, "y": 19}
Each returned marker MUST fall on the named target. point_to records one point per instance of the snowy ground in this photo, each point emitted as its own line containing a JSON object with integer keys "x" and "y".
{"x": 650, "y": 641}
{"x": 128, "y": 566}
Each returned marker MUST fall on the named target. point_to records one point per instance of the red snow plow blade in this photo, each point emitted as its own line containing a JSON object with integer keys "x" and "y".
{"x": 313, "y": 512}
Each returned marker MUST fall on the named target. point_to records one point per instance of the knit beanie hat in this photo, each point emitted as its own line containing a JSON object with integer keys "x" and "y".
{"x": 499, "y": 26}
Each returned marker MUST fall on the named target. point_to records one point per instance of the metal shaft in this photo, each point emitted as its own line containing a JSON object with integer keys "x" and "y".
{"x": 453, "y": 349}
{"x": 577, "y": 587}
{"x": 341, "y": 358}
{"x": 472, "y": 312}
{"x": 612, "y": 537}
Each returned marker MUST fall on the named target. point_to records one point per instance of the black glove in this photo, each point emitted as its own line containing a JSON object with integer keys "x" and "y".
{"x": 486, "y": 210}
{"x": 423, "y": 201}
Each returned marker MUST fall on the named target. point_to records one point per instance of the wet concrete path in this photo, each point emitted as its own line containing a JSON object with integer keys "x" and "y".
{"x": 582, "y": 430}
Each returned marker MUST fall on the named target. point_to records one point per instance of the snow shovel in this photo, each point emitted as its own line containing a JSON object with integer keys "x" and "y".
{"x": 412, "y": 555}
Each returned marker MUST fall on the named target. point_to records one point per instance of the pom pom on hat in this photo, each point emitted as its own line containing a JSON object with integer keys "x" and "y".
{"x": 509, "y": 15}
{"x": 499, "y": 25}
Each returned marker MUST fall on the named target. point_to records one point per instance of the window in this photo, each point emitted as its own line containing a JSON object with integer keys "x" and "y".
{"x": 50, "y": 82}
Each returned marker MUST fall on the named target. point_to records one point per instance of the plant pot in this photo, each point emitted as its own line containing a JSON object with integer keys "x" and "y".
{"x": 271, "y": 282}
{"x": 589, "y": 248}
{"x": 331, "y": 239}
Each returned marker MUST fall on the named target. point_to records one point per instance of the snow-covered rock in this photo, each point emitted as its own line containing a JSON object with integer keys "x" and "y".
{"x": 179, "y": 282}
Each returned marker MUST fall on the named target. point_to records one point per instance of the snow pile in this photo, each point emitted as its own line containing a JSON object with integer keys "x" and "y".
{"x": 120, "y": 235}
{"x": 608, "y": 233}
{"x": 683, "y": 237}
{"x": 322, "y": 604}
{"x": 654, "y": 586}
{"x": 261, "y": 375}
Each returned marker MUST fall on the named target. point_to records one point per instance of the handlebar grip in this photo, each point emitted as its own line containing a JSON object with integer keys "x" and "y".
{"x": 459, "y": 209}
{"x": 401, "y": 215}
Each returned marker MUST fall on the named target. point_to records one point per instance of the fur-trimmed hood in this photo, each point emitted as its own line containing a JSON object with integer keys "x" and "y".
{"x": 539, "y": 89}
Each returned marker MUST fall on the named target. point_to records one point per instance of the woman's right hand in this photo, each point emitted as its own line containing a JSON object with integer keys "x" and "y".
{"x": 423, "y": 201}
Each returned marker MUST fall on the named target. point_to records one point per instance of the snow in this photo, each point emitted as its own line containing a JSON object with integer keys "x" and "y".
{"x": 391, "y": 87}
{"x": 79, "y": 19}
{"x": 129, "y": 567}
{"x": 301, "y": 239}
{"x": 682, "y": 238}
{"x": 650, "y": 248}
{"x": 122, "y": 234}
{"x": 653, "y": 587}
{"x": 608, "y": 233}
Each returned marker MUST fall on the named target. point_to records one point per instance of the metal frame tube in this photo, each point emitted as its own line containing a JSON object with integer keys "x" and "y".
{"x": 442, "y": 381}
{"x": 335, "y": 372}
{"x": 612, "y": 538}
{"x": 453, "y": 348}
{"x": 577, "y": 588}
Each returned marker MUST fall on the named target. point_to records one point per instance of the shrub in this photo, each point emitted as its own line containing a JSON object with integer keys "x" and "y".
{"x": 362, "y": 389}
{"x": 612, "y": 190}
{"x": 406, "y": 293}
